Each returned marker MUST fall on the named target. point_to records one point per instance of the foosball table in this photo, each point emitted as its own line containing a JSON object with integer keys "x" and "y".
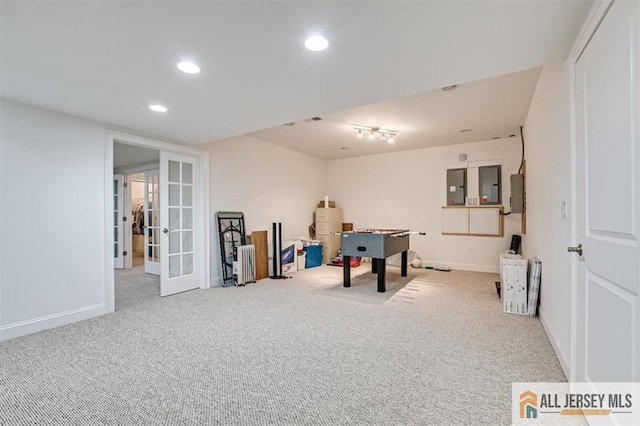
{"x": 378, "y": 244}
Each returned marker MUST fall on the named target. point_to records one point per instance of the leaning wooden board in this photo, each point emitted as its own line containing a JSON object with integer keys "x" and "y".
{"x": 259, "y": 239}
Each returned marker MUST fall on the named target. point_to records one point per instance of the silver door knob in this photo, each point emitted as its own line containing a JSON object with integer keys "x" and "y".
{"x": 165, "y": 230}
{"x": 577, "y": 249}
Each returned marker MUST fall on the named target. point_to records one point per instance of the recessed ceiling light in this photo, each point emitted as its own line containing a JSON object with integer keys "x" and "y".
{"x": 188, "y": 67}
{"x": 447, "y": 88}
{"x": 496, "y": 137}
{"x": 316, "y": 43}
{"x": 289, "y": 124}
{"x": 465, "y": 130}
{"x": 344, "y": 148}
{"x": 158, "y": 108}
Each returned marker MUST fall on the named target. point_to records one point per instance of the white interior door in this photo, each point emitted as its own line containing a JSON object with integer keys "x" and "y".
{"x": 152, "y": 222}
{"x": 608, "y": 190}
{"x": 180, "y": 237}
{"x": 118, "y": 224}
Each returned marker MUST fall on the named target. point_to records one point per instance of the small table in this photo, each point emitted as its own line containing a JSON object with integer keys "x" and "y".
{"x": 378, "y": 244}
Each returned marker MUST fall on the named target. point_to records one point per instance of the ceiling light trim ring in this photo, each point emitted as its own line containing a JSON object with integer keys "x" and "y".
{"x": 158, "y": 108}
{"x": 188, "y": 67}
{"x": 316, "y": 43}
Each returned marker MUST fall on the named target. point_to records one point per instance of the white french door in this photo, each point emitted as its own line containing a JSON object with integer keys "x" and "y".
{"x": 152, "y": 222}
{"x": 118, "y": 230}
{"x": 180, "y": 239}
{"x": 608, "y": 197}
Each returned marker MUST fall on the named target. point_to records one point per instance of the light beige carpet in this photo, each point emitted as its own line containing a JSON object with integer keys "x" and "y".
{"x": 434, "y": 350}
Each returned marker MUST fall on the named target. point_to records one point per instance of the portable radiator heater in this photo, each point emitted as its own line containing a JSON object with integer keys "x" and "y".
{"x": 244, "y": 261}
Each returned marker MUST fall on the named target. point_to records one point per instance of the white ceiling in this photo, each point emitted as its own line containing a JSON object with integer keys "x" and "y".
{"x": 490, "y": 108}
{"x": 108, "y": 60}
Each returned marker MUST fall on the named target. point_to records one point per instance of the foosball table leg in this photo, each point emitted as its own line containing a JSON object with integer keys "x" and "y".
{"x": 346, "y": 271}
{"x": 381, "y": 274}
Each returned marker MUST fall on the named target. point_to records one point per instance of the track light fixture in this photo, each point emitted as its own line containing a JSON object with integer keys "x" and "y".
{"x": 383, "y": 134}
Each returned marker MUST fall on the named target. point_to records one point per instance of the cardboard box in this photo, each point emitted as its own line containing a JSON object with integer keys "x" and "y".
{"x": 332, "y": 204}
{"x": 514, "y": 283}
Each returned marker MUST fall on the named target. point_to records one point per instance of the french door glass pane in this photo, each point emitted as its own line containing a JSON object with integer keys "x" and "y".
{"x": 187, "y": 241}
{"x": 174, "y": 218}
{"x": 174, "y": 171}
{"x": 174, "y": 242}
{"x": 187, "y": 218}
{"x": 187, "y": 196}
{"x": 174, "y": 266}
{"x": 187, "y": 264}
{"x": 174, "y": 195}
{"x": 187, "y": 173}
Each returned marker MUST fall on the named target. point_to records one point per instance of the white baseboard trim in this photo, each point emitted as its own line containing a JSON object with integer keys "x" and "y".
{"x": 462, "y": 266}
{"x": 563, "y": 360}
{"x": 23, "y": 328}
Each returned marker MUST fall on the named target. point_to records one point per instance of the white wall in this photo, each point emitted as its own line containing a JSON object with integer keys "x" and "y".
{"x": 137, "y": 189}
{"x": 267, "y": 183}
{"x": 52, "y": 224}
{"x": 408, "y": 189}
{"x": 548, "y": 180}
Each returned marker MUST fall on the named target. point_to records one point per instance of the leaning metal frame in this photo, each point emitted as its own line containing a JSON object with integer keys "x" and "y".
{"x": 231, "y": 234}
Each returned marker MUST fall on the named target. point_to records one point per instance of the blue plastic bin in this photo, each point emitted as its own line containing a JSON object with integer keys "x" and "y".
{"x": 314, "y": 256}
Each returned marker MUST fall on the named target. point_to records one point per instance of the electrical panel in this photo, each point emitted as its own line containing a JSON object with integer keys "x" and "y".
{"x": 517, "y": 193}
{"x": 456, "y": 187}
{"x": 489, "y": 178}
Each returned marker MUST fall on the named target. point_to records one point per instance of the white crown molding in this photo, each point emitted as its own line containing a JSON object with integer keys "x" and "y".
{"x": 591, "y": 23}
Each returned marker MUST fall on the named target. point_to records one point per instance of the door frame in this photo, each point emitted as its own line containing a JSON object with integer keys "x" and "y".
{"x": 203, "y": 192}
{"x": 589, "y": 27}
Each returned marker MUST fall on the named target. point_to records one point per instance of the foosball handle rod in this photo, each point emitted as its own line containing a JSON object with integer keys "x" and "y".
{"x": 409, "y": 233}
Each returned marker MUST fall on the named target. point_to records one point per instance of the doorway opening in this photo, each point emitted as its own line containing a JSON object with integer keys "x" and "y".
{"x": 176, "y": 229}
{"x": 136, "y": 275}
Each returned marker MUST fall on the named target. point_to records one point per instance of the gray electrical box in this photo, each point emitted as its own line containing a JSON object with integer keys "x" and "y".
{"x": 517, "y": 193}
{"x": 489, "y": 185}
{"x": 456, "y": 187}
